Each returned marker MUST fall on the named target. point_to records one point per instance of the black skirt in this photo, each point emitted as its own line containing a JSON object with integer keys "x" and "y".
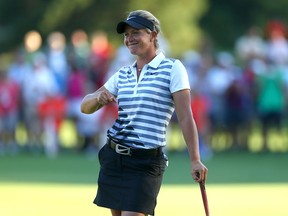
{"x": 129, "y": 183}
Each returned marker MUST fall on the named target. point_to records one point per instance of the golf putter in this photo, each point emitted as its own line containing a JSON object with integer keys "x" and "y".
{"x": 204, "y": 196}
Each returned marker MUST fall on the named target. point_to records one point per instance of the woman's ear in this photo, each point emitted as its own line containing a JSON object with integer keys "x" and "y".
{"x": 153, "y": 35}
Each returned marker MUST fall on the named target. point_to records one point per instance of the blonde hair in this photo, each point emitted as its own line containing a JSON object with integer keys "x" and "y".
{"x": 153, "y": 19}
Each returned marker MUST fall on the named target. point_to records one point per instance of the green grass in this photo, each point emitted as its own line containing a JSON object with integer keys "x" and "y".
{"x": 238, "y": 184}
{"x": 223, "y": 168}
{"x": 46, "y": 199}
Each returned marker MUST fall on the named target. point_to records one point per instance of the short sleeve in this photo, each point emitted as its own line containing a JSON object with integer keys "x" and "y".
{"x": 179, "y": 77}
{"x": 112, "y": 84}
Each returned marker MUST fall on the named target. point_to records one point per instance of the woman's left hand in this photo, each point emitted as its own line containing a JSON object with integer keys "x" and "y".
{"x": 199, "y": 171}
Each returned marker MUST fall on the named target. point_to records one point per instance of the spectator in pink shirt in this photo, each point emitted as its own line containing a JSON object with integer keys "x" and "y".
{"x": 9, "y": 105}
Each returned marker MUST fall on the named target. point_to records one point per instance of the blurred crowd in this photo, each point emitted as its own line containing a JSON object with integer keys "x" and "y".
{"x": 230, "y": 90}
{"x": 44, "y": 85}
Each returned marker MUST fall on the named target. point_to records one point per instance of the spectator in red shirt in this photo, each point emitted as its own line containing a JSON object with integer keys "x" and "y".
{"x": 9, "y": 105}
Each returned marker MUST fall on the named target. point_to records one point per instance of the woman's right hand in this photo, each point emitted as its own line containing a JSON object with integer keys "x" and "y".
{"x": 93, "y": 102}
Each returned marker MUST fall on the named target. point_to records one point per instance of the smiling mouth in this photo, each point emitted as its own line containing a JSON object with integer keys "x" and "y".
{"x": 135, "y": 44}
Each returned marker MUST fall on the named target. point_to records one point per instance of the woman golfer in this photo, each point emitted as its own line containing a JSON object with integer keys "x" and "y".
{"x": 147, "y": 92}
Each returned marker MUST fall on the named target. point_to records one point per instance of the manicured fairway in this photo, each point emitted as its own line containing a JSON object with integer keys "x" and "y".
{"x": 239, "y": 184}
{"x": 46, "y": 199}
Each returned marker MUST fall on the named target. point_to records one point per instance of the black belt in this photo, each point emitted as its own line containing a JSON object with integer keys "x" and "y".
{"x": 126, "y": 150}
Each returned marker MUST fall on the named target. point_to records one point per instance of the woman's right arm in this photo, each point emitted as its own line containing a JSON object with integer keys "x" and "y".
{"x": 93, "y": 102}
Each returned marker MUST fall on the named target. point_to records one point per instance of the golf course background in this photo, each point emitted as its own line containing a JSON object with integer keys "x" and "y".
{"x": 239, "y": 183}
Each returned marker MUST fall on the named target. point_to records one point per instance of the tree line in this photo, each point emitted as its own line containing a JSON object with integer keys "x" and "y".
{"x": 184, "y": 22}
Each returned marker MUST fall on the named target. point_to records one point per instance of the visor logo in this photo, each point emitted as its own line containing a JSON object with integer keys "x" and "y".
{"x": 131, "y": 17}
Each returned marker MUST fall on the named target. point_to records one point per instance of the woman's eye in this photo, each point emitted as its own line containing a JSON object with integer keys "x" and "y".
{"x": 134, "y": 33}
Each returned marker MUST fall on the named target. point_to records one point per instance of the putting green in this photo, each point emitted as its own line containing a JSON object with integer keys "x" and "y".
{"x": 19, "y": 199}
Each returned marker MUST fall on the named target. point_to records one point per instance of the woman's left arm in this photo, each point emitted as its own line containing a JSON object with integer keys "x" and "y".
{"x": 182, "y": 101}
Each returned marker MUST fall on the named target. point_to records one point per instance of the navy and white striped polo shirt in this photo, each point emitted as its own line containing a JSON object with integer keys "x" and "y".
{"x": 145, "y": 106}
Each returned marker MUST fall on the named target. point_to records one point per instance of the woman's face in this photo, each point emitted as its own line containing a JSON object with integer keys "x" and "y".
{"x": 139, "y": 41}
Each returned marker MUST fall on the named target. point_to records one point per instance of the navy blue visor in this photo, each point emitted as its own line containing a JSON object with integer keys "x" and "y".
{"x": 136, "y": 22}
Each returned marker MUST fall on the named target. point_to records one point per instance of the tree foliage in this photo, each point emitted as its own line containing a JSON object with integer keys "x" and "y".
{"x": 20, "y": 16}
{"x": 226, "y": 20}
{"x": 183, "y": 21}
{"x": 179, "y": 18}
